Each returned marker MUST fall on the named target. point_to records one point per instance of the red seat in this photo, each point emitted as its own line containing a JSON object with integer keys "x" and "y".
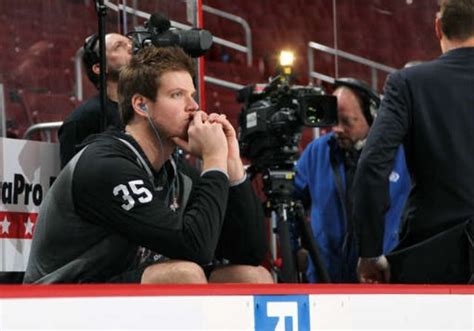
{"x": 47, "y": 107}
{"x": 17, "y": 119}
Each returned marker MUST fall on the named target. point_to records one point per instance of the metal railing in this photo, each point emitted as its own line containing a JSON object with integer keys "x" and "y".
{"x": 231, "y": 17}
{"x": 3, "y": 126}
{"x": 45, "y": 128}
{"x": 79, "y": 91}
{"x": 237, "y": 19}
{"x": 374, "y": 66}
{"x": 223, "y": 83}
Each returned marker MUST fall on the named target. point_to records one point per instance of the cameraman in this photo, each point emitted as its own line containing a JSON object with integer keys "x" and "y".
{"x": 124, "y": 210}
{"x": 85, "y": 120}
{"x": 324, "y": 176}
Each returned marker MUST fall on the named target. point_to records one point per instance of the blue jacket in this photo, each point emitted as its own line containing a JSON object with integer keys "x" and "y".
{"x": 315, "y": 175}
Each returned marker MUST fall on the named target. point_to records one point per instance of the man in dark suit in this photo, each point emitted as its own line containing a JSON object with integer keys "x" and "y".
{"x": 430, "y": 109}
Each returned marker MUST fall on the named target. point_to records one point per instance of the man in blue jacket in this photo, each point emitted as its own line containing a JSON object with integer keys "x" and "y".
{"x": 324, "y": 176}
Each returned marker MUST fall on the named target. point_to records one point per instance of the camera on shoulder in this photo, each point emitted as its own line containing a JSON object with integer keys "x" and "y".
{"x": 157, "y": 31}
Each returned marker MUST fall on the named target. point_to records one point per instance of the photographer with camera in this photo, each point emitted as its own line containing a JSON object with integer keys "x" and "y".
{"x": 324, "y": 177}
{"x": 126, "y": 210}
{"x": 85, "y": 120}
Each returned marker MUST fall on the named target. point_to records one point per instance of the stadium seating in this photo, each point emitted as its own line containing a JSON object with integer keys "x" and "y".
{"x": 42, "y": 37}
{"x": 47, "y": 107}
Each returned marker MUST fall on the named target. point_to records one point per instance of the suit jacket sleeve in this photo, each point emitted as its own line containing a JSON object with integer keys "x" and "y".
{"x": 371, "y": 183}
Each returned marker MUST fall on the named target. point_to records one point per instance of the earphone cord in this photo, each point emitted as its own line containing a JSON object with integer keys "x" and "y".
{"x": 171, "y": 188}
{"x": 157, "y": 135}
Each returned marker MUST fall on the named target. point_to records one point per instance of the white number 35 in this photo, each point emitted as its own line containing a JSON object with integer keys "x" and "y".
{"x": 138, "y": 192}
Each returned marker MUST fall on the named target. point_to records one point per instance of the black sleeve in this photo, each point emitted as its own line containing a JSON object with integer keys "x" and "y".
{"x": 73, "y": 132}
{"x": 371, "y": 183}
{"x": 67, "y": 142}
{"x": 115, "y": 192}
{"x": 243, "y": 239}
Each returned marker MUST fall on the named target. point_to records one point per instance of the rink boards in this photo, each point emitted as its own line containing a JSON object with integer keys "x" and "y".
{"x": 237, "y": 307}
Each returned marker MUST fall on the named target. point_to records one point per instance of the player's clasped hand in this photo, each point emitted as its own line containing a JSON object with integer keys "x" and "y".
{"x": 234, "y": 163}
{"x": 205, "y": 138}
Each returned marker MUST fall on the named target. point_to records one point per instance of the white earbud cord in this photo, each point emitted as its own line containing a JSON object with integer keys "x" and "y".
{"x": 171, "y": 188}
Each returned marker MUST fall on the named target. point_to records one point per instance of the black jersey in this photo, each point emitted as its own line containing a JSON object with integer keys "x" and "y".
{"x": 108, "y": 203}
{"x": 83, "y": 122}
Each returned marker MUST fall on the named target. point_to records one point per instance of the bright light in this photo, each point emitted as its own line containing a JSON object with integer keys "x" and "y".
{"x": 286, "y": 58}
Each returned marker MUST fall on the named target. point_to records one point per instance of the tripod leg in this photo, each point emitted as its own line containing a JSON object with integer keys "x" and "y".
{"x": 274, "y": 245}
{"x": 307, "y": 236}
{"x": 288, "y": 272}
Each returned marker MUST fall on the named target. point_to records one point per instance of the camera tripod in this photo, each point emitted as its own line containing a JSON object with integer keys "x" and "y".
{"x": 290, "y": 231}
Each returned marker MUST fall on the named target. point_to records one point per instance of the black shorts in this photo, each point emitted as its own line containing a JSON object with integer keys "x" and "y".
{"x": 134, "y": 276}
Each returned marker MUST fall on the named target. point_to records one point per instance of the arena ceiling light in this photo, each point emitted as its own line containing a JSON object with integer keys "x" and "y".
{"x": 286, "y": 58}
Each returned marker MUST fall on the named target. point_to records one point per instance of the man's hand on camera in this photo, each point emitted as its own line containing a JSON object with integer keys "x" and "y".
{"x": 235, "y": 166}
{"x": 373, "y": 270}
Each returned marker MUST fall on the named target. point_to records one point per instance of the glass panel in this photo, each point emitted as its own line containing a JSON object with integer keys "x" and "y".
{"x": 40, "y": 39}
{"x": 392, "y": 33}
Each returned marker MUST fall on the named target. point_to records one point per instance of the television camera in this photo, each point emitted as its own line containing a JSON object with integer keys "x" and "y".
{"x": 157, "y": 31}
{"x": 273, "y": 116}
{"x": 270, "y": 125}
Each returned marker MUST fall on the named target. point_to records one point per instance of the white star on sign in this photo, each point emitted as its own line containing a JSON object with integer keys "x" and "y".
{"x": 29, "y": 227}
{"x": 5, "y": 225}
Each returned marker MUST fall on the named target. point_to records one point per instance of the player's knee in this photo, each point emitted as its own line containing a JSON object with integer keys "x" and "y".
{"x": 174, "y": 272}
{"x": 241, "y": 274}
{"x": 259, "y": 275}
{"x": 190, "y": 272}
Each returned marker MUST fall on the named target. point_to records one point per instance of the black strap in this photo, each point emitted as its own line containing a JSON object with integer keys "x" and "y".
{"x": 349, "y": 235}
{"x": 470, "y": 242}
{"x": 337, "y": 176}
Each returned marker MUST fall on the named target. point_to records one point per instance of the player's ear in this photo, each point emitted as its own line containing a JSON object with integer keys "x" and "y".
{"x": 140, "y": 105}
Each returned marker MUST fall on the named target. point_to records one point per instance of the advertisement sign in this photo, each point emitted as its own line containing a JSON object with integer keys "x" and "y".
{"x": 28, "y": 169}
{"x": 278, "y": 312}
{"x": 237, "y": 307}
